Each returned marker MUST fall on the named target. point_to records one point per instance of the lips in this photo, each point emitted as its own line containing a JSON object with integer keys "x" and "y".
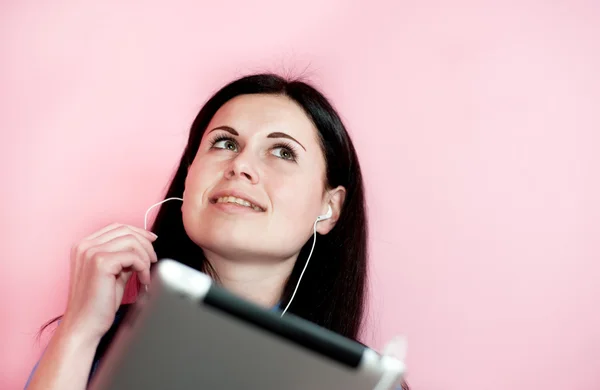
{"x": 237, "y": 198}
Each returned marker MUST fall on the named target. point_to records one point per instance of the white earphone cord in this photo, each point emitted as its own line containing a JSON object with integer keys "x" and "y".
{"x": 146, "y": 218}
{"x": 153, "y": 206}
{"x": 320, "y": 218}
{"x": 305, "y": 266}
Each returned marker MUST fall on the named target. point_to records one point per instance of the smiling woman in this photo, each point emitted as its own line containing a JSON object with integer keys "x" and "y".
{"x": 242, "y": 156}
{"x": 264, "y": 159}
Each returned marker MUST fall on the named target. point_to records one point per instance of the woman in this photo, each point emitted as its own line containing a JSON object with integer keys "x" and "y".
{"x": 265, "y": 157}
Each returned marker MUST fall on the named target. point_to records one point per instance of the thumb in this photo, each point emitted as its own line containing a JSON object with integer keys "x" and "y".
{"x": 397, "y": 347}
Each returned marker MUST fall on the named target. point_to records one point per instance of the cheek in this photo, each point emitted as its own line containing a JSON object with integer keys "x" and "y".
{"x": 200, "y": 176}
{"x": 296, "y": 199}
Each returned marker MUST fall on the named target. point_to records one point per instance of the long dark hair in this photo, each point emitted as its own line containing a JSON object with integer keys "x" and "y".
{"x": 333, "y": 289}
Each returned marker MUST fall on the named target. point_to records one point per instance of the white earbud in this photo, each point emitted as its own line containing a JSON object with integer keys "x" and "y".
{"x": 326, "y": 216}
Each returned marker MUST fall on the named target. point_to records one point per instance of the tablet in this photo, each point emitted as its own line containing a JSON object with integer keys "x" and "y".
{"x": 188, "y": 332}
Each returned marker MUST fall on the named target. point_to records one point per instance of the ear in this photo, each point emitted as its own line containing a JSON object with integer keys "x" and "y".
{"x": 334, "y": 198}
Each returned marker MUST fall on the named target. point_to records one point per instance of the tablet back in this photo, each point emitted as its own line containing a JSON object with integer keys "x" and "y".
{"x": 189, "y": 333}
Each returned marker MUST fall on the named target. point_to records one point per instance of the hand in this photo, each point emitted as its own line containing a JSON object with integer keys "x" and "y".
{"x": 101, "y": 265}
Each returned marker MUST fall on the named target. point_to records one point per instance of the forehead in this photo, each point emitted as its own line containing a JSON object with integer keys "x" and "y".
{"x": 254, "y": 113}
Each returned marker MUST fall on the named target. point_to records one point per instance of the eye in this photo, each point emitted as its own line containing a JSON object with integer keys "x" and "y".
{"x": 224, "y": 142}
{"x": 284, "y": 152}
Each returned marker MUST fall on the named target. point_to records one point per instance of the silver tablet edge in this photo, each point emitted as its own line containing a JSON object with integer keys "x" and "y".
{"x": 193, "y": 284}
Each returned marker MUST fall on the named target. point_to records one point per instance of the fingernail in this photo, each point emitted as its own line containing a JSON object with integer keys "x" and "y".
{"x": 154, "y": 235}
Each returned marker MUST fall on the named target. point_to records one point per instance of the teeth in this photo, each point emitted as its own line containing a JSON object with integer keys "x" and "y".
{"x": 241, "y": 202}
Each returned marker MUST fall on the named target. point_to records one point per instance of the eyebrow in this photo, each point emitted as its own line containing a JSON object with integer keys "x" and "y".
{"x": 277, "y": 134}
{"x": 284, "y": 135}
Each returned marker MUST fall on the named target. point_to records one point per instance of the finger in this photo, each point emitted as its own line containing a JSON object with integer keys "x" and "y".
{"x": 118, "y": 231}
{"x": 147, "y": 245}
{"x": 129, "y": 264}
{"x": 119, "y": 228}
{"x": 114, "y": 263}
{"x": 124, "y": 243}
{"x": 130, "y": 241}
{"x": 100, "y": 232}
{"x": 142, "y": 236}
{"x": 116, "y": 247}
{"x": 135, "y": 232}
{"x": 146, "y": 233}
{"x": 145, "y": 278}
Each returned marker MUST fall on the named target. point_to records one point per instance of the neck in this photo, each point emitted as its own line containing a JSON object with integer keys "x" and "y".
{"x": 259, "y": 282}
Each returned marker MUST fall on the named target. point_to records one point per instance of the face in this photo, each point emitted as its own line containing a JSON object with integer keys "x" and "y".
{"x": 257, "y": 183}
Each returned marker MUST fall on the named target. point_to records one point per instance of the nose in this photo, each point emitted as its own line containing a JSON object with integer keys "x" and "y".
{"x": 243, "y": 167}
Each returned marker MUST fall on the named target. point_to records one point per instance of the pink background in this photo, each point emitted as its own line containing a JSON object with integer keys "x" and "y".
{"x": 478, "y": 127}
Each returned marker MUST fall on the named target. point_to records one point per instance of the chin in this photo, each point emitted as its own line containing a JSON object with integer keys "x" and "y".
{"x": 225, "y": 241}
{"x": 238, "y": 238}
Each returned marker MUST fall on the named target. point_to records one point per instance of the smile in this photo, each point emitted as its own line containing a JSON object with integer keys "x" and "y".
{"x": 237, "y": 201}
